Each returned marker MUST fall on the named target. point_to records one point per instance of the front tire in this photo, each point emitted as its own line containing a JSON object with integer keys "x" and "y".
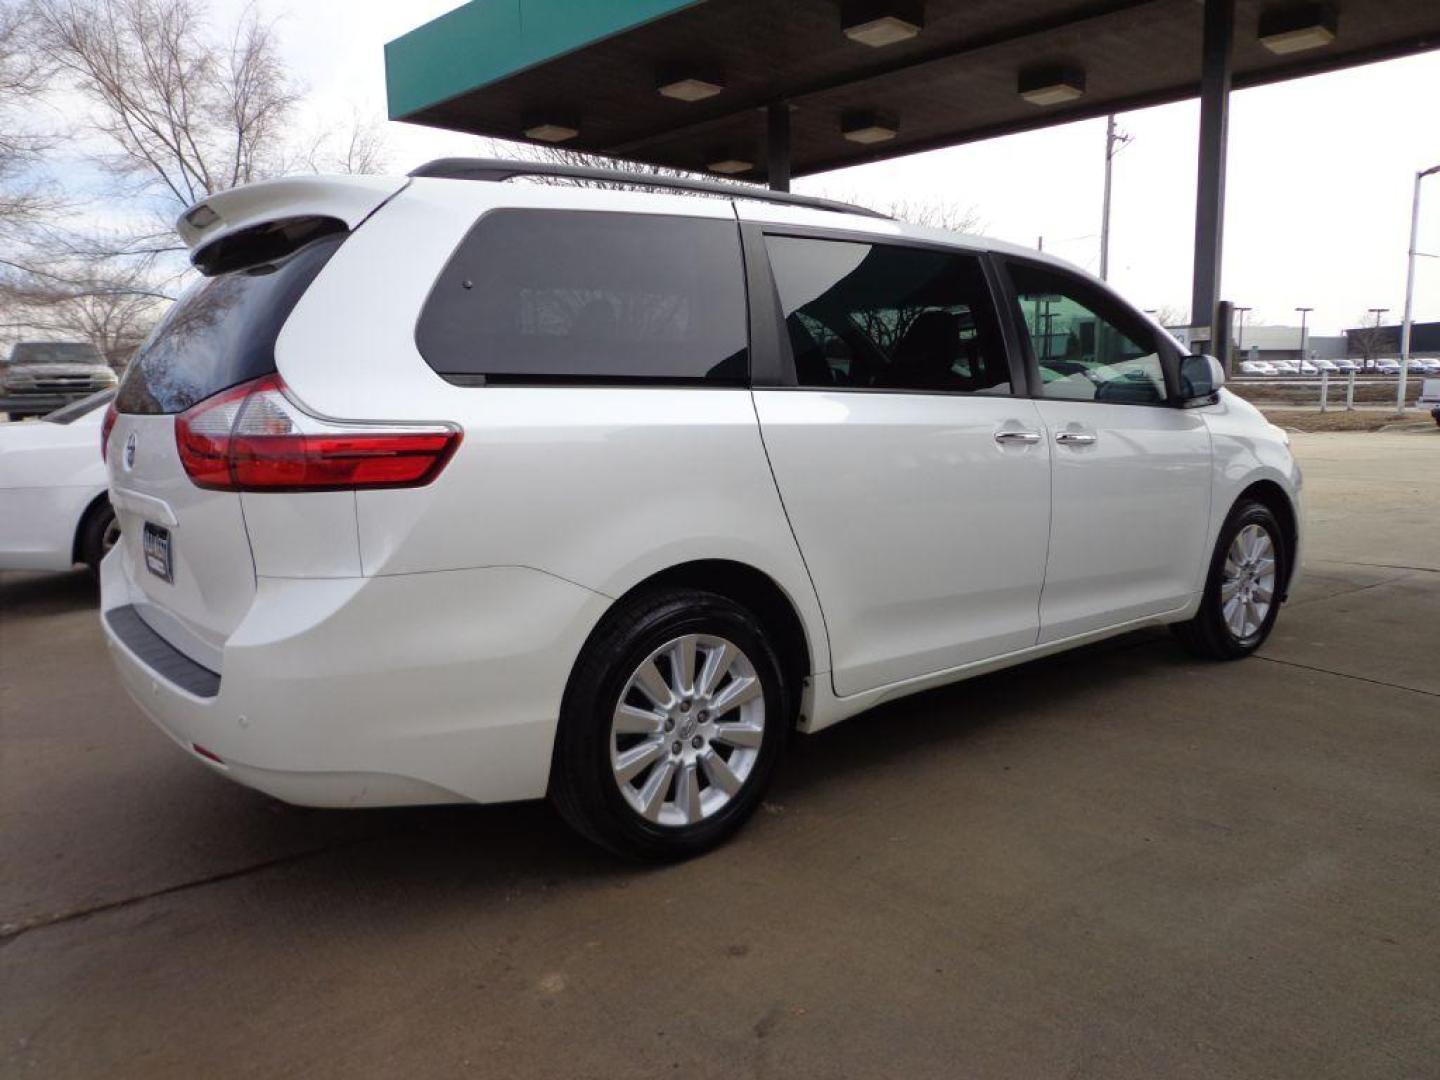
{"x": 671, "y": 727}
{"x": 1242, "y": 591}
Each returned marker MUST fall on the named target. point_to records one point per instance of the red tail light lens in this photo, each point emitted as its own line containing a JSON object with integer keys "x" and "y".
{"x": 253, "y": 437}
{"x": 107, "y": 425}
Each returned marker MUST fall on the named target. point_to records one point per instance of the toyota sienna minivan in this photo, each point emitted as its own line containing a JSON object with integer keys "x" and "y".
{"x": 447, "y": 488}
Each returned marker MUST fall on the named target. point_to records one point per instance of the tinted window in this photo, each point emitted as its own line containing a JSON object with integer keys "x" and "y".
{"x": 1088, "y": 346}
{"x": 567, "y": 296}
{"x": 221, "y": 332}
{"x": 873, "y": 316}
{"x": 55, "y": 352}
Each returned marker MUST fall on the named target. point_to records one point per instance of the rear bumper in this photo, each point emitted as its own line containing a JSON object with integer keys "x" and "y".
{"x": 385, "y": 691}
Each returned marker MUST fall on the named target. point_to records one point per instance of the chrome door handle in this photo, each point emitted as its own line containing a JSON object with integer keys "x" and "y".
{"x": 1012, "y": 436}
{"x": 1074, "y": 438}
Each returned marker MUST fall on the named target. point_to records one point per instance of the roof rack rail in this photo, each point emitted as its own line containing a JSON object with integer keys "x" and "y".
{"x": 498, "y": 169}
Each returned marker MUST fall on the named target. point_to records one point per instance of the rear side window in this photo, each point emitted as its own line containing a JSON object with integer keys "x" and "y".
{"x": 881, "y": 317}
{"x": 547, "y": 296}
{"x": 221, "y": 332}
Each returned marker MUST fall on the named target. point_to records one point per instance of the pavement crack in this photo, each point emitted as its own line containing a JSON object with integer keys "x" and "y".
{"x": 1348, "y": 675}
{"x": 10, "y": 932}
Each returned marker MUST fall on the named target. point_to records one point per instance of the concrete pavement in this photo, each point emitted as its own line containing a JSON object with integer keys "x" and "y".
{"x": 1116, "y": 863}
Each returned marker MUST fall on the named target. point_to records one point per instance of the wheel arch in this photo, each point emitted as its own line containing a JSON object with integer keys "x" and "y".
{"x": 93, "y": 507}
{"x": 1274, "y": 497}
{"x": 751, "y": 588}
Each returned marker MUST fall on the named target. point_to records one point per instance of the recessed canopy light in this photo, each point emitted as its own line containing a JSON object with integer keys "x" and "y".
{"x": 730, "y": 166}
{"x": 550, "y": 131}
{"x": 878, "y": 23}
{"x": 867, "y": 128}
{"x": 1051, "y": 86}
{"x": 689, "y": 88}
{"x": 1297, "y": 27}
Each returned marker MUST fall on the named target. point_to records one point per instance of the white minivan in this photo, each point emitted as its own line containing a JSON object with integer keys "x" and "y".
{"x": 446, "y": 488}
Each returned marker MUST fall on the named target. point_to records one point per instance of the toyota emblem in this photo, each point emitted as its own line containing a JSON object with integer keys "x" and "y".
{"x": 130, "y": 452}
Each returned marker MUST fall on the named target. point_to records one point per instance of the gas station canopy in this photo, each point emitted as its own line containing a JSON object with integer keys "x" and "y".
{"x": 689, "y": 83}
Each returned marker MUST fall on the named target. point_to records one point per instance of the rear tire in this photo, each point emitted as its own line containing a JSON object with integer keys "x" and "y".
{"x": 98, "y": 535}
{"x": 1248, "y": 571}
{"x": 657, "y": 763}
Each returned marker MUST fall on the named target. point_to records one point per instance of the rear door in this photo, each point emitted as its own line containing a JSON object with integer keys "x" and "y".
{"x": 1131, "y": 473}
{"x": 917, "y": 483}
{"x": 185, "y": 548}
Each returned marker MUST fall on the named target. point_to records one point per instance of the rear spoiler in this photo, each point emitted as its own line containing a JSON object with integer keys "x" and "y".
{"x": 345, "y": 199}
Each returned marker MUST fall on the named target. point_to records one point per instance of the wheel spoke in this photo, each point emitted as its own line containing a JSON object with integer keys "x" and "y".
{"x": 1234, "y": 613}
{"x": 652, "y": 795}
{"x": 632, "y": 721}
{"x": 633, "y": 761}
{"x": 653, "y": 685}
{"x": 720, "y": 773}
{"x": 687, "y": 794}
{"x": 717, "y": 662}
{"x": 682, "y": 666}
{"x": 1229, "y": 589}
{"x": 736, "y": 693}
{"x": 740, "y": 734}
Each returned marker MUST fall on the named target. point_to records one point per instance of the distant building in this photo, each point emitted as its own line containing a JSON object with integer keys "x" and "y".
{"x": 1275, "y": 343}
{"x": 1378, "y": 342}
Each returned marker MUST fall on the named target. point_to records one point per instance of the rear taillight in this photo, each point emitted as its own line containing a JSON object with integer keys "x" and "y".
{"x": 107, "y": 425}
{"x": 253, "y": 437}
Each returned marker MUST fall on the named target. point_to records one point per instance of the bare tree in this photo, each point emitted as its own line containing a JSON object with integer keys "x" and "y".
{"x": 1370, "y": 341}
{"x": 361, "y": 149}
{"x": 934, "y": 214}
{"x": 24, "y": 76}
{"x": 185, "y": 114}
{"x": 1172, "y": 315}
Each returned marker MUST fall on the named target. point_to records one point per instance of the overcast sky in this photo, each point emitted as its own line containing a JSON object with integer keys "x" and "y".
{"x": 1318, "y": 196}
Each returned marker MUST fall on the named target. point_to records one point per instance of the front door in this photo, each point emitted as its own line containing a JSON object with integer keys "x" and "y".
{"x": 1131, "y": 476}
{"x": 917, "y": 484}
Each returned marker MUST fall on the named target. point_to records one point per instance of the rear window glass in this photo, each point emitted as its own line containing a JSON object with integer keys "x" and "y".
{"x": 579, "y": 296}
{"x": 221, "y": 332}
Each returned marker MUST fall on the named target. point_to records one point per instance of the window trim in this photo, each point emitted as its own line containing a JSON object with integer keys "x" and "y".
{"x": 575, "y": 380}
{"x": 1167, "y": 351}
{"x": 777, "y": 372}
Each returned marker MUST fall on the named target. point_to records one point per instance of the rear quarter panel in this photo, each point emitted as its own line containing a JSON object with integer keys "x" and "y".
{"x": 601, "y": 486}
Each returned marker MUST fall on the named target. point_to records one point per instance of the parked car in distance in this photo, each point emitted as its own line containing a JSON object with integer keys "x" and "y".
{"x": 1285, "y": 367}
{"x": 39, "y": 377}
{"x": 1424, "y": 366}
{"x": 1306, "y": 367}
{"x": 54, "y": 512}
{"x": 1345, "y": 367}
{"x": 439, "y": 488}
{"x": 1387, "y": 367}
{"x": 1256, "y": 367}
{"x": 1325, "y": 365}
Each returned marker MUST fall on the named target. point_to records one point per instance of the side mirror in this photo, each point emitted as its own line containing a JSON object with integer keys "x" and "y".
{"x": 1201, "y": 378}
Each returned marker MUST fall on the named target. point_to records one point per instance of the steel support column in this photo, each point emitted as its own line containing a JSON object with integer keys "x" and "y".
{"x": 1210, "y": 188}
{"x": 777, "y": 145}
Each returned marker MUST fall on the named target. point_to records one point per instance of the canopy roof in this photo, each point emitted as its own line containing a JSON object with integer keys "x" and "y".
{"x": 502, "y": 67}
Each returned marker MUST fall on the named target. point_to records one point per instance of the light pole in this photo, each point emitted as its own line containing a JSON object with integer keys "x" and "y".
{"x": 1410, "y": 289}
{"x": 1240, "y": 341}
{"x": 1114, "y": 140}
{"x": 1304, "y": 311}
{"x": 1375, "y": 341}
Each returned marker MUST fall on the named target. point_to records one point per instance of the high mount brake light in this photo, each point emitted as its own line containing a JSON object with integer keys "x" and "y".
{"x": 252, "y": 437}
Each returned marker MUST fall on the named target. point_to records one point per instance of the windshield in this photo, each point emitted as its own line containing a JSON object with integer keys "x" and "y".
{"x": 55, "y": 352}
{"x": 76, "y": 409}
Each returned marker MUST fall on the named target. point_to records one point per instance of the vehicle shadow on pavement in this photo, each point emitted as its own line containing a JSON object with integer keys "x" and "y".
{"x": 47, "y": 593}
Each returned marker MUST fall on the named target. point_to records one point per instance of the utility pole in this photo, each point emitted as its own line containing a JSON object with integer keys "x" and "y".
{"x": 1240, "y": 313}
{"x": 1114, "y": 140}
{"x": 1377, "y": 312}
{"x": 1304, "y": 354}
{"x": 1409, "y": 289}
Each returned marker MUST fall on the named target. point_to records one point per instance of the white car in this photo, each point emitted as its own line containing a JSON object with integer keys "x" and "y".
{"x": 440, "y": 488}
{"x": 1345, "y": 366}
{"x": 1285, "y": 367}
{"x": 1387, "y": 367}
{"x": 53, "y": 508}
{"x": 1256, "y": 367}
{"x": 1424, "y": 366}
